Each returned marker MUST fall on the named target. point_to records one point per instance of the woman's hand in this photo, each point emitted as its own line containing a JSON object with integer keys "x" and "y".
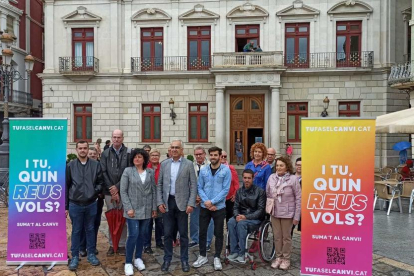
{"x": 295, "y": 222}
{"x": 131, "y": 213}
{"x": 154, "y": 214}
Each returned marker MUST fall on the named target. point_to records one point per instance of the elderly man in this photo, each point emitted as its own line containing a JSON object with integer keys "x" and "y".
{"x": 200, "y": 162}
{"x": 271, "y": 156}
{"x": 176, "y": 198}
{"x": 249, "y": 209}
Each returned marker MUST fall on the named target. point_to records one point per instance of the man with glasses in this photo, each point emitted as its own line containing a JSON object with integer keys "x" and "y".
{"x": 234, "y": 186}
{"x": 176, "y": 198}
{"x": 114, "y": 160}
{"x": 271, "y": 156}
{"x": 199, "y": 163}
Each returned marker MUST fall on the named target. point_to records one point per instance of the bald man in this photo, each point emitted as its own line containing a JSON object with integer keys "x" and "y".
{"x": 271, "y": 156}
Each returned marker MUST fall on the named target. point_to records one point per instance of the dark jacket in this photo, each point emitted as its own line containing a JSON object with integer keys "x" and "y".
{"x": 83, "y": 182}
{"x": 250, "y": 203}
{"x": 113, "y": 167}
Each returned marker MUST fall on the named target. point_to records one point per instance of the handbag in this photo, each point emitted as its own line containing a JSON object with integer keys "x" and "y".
{"x": 270, "y": 203}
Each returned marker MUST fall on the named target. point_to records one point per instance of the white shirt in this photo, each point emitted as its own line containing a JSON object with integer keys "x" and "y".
{"x": 143, "y": 175}
{"x": 175, "y": 166}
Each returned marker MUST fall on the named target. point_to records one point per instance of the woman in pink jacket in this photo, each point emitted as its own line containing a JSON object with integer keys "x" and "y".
{"x": 284, "y": 188}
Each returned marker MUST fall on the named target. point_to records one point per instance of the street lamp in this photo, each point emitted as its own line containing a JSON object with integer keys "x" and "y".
{"x": 325, "y": 107}
{"x": 8, "y": 75}
{"x": 172, "y": 114}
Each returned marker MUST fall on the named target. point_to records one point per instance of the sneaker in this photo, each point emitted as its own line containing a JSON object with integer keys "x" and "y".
{"x": 93, "y": 260}
{"x": 233, "y": 257}
{"x": 276, "y": 263}
{"x": 110, "y": 251}
{"x": 148, "y": 250}
{"x": 285, "y": 264}
{"x": 192, "y": 244}
{"x": 208, "y": 248}
{"x": 241, "y": 259}
{"x": 139, "y": 264}
{"x": 121, "y": 251}
{"x": 74, "y": 263}
{"x": 200, "y": 261}
{"x": 217, "y": 264}
{"x": 129, "y": 269}
{"x": 83, "y": 253}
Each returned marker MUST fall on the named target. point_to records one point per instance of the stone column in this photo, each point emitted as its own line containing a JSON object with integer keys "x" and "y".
{"x": 49, "y": 36}
{"x": 220, "y": 117}
{"x": 115, "y": 35}
{"x": 275, "y": 119}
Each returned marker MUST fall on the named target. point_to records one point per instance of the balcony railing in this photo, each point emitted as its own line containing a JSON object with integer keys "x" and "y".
{"x": 400, "y": 73}
{"x": 253, "y": 59}
{"x": 140, "y": 64}
{"x": 78, "y": 65}
{"x": 19, "y": 97}
{"x": 363, "y": 59}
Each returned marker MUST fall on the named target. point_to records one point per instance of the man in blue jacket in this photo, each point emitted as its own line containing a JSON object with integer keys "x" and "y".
{"x": 213, "y": 187}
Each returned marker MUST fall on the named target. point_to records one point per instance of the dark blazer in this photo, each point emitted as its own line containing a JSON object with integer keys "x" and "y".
{"x": 185, "y": 184}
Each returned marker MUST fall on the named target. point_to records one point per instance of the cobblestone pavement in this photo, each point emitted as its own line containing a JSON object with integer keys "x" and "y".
{"x": 382, "y": 265}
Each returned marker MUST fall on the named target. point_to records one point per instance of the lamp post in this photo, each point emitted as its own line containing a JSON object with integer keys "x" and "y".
{"x": 325, "y": 107}
{"x": 172, "y": 114}
{"x": 8, "y": 75}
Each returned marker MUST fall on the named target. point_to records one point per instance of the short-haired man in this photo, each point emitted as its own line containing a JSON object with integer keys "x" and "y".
{"x": 107, "y": 144}
{"x": 199, "y": 163}
{"x": 147, "y": 148}
{"x": 249, "y": 209}
{"x": 114, "y": 160}
{"x": 83, "y": 184}
{"x": 176, "y": 196}
{"x": 271, "y": 156}
{"x": 213, "y": 187}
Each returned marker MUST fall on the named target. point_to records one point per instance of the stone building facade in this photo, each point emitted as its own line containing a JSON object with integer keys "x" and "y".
{"x": 118, "y": 64}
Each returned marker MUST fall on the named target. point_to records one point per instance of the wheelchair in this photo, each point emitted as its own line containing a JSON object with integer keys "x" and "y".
{"x": 263, "y": 234}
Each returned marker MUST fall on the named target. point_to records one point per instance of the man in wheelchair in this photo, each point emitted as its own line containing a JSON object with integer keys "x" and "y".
{"x": 249, "y": 211}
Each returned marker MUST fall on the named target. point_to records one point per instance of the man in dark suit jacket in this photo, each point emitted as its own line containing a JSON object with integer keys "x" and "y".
{"x": 176, "y": 196}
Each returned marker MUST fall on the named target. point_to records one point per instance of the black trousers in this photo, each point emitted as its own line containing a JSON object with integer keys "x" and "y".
{"x": 175, "y": 218}
{"x": 229, "y": 210}
{"x": 218, "y": 218}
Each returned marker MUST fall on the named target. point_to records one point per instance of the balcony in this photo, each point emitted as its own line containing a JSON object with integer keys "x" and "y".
{"x": 84, "y": 67}
{"x": 19, "y": 102}
{"x": 401, "y": 76}
{"x": 330, "y": 60}
{"x": 242, "y": 60}
{"x": 141, "y": 65}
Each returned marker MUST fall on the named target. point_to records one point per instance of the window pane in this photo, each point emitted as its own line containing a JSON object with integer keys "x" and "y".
{"x": 146, "y": 34}
{"x": 341, "y": 28}
{"x": 146, "y": 49}
{"x": 255, "y": 105}
{"x": 205, "y": 32}
{"x": 88, "y": 109}
{"x": 241, "y": 31}
{"x": 158, "y": 49}
{"x": 354, "y": 44}
{"x": 157, "y": 109}
{"x": 79, "y": 128}
{"x": 290, "y": 30}
{"x": 342, "y": 115}
{"x": 291, "y": 107}
{"x": 193, "y": 48}
{"x": 203, "y": 127}
{"x": 193, "y": 127}
{"x": 147, "y": 128}
{"x": 300, "y": 126}
{"x": 342, "y": 107}
{"x": 303, "y": 29}
{"x": 193, "y": 32}
{"x": 205, "y": 48}
{"x": 302, "y": 107}
{"x": 89, "y": 34}
{"x": 147, "y": 109}
{"x": 354, "y": 27}
{"x": 291, "y": 127}
{"x": 158, "y": 33}
{"x": 79, "y": 109}
{"x": 239, "y": 105}
{"x": 340, "y": 48}
{"x": 78, "y": 34}
{"x": 354, "y": 107}
{"x": 290, "y": 50}
{"x": 253, "y": 31}
{"x": 203, "y": 108}
{"x": 303, "y": 45}
{"x": 157, "y": 127}
{"x": 89, "y": 127}
{"x": 193, "y": 108}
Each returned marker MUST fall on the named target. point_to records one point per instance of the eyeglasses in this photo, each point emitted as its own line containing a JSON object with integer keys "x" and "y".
{"x": 177, "y": 147}
{"x": 155, "y": 155}
{"x": 224, "y": 156}
{"x": 200, "y": 154}
{"x": 298, "y": 165}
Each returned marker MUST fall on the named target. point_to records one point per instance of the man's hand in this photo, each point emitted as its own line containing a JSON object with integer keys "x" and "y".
{"x": 213, "y": 208}
{"x": 66, "y": 213}
{"x": 189, "y": 210}
{"x": 198, "y": 200}
{"x": 131, "y": 213}
{"x": 162, "y": 208}
{"x": 208, "y": 204}
{"x": 113, "y": 190}
{"x": 115, "y": 198}
{"x": 295, "y": 222}
{"x": 154, "y": 214}
{"x": 240, "y": 218}
{"x": 233, "y": 198}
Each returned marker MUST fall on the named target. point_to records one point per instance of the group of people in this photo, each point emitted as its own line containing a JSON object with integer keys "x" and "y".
{"x": 170, "y": 192}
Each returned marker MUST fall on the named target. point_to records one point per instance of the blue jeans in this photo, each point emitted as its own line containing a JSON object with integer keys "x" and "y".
{"x": 137, "y": 230}
{"x": 238, "y": 233}
{"x": 194, "y": 226}
{"x": 159, "y": 232}
{"x": 97, "y": 223}
{"x": 83, "y": 218}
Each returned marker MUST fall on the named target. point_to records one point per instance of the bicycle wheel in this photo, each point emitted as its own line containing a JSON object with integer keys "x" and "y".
{"x": 267, "y": 247}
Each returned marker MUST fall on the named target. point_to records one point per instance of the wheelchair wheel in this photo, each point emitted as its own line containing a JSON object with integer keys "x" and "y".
{"x": 267, "y": 247}
{"x": 253, "y": 266}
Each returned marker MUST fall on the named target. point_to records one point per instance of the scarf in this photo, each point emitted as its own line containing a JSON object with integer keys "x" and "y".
{"x": 278, "y": 190}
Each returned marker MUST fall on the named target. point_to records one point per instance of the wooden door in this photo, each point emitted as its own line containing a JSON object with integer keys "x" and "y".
{"x": 246, "y": 111}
